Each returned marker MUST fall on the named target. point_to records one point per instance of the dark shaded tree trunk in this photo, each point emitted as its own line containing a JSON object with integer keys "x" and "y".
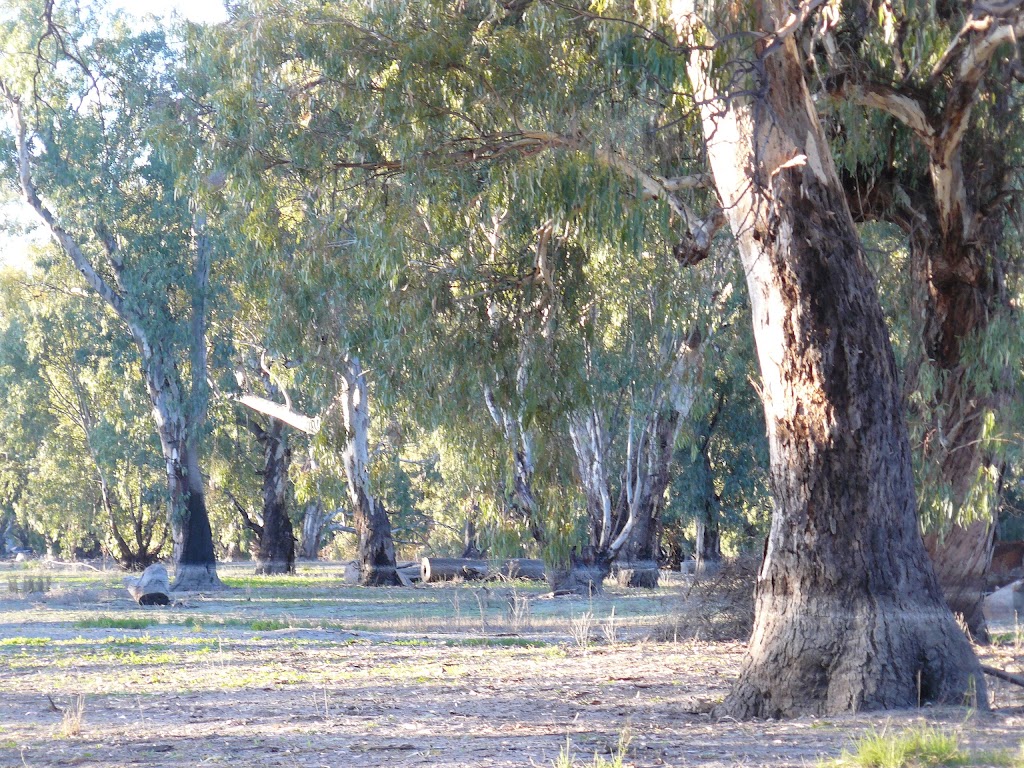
{"x": 849, "y": 615}
{"x": 957, "y": 292}
{"x": 276, "y": 550}
{"x": 708, "y": 550}
{"x": 195, "y": 561}
{"x": 955, "y": 215}
{"x": 962, "y": 560}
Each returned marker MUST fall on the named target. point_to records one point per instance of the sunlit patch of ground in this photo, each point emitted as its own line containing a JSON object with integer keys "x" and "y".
{"x": 308, "y": 671}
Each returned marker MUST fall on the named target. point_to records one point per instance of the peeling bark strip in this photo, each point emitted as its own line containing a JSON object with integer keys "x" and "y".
{"x": 849, "y": 613}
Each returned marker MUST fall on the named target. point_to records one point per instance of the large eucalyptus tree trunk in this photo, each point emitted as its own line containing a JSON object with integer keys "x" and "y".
{"x": 376, "y": 545}
{"x": 849, "y": 614}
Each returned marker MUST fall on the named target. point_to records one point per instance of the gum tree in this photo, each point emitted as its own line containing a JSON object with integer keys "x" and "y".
{"x": 79, "y": 106}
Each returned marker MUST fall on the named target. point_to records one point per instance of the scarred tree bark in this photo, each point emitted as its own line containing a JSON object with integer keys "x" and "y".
{"x": 849, "y": 614}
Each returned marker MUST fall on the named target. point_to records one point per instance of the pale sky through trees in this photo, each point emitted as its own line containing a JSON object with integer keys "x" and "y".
{"x": 14, "y": 248}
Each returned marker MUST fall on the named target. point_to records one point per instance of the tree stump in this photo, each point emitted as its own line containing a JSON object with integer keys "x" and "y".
{"x": 641, "y": 574}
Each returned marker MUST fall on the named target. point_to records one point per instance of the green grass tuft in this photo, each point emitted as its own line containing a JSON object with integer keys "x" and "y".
{"x": 267, "y": 625}
{"x": 24, "y": 641}
{"x": 920, "y": 747}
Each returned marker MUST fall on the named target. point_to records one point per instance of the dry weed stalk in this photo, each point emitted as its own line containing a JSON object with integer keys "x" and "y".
{"x": 518, "y": 610}
{"x": 580, "y": 627}
{"x": 71, "y": 724}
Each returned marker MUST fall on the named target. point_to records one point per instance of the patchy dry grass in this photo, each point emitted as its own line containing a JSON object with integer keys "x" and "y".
{"x": 310, "y": 671}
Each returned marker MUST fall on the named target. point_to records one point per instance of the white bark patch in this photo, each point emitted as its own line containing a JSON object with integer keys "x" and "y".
{"x": 814, "y": 160}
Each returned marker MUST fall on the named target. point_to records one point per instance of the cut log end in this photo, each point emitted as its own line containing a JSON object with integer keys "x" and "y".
{"x": 154, "y": 598}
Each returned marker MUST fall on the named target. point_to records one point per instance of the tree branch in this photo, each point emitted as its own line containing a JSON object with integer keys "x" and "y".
{"x": 70, "y": 246}
{"x": 894, "y": 103}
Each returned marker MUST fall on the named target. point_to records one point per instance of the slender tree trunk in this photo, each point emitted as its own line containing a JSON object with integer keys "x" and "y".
{"x": 276, "y": 550}
{"x": 849, "y": 615}
{"x": 520, "y": 503}
{"x": 376, "y": 545}
{"x": 708, "y": 550}
{"x": 315, "y": 520}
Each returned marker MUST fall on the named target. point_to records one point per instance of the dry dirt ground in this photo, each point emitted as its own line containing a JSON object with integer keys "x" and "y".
{"x": 310, "y": 672}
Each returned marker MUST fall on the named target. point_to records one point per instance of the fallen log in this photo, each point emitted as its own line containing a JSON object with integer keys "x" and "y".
{"x": 1003, "y": 675}
{"x": 520, "y": 568}
{"x": 152, "y": 587}
{"x": 434, "y": 569}
{"x": 408, "y": 574}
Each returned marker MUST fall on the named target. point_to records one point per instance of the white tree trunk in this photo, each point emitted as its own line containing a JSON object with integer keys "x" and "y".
{"x": 376, "y": 546}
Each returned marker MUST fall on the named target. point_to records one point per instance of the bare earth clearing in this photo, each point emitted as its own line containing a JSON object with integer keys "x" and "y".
{"x": 309, "y": 671}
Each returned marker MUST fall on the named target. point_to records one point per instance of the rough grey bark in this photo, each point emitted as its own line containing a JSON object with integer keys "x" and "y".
{"x": 376, "y": 544}
{"x": 849, "y": 615}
